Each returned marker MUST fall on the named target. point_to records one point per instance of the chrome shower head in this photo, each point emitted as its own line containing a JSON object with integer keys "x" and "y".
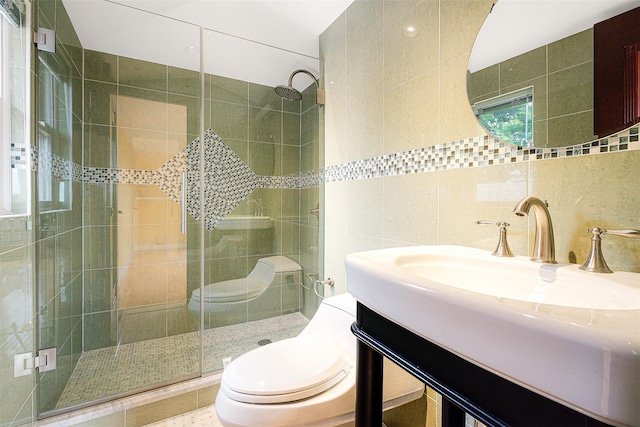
{"x": 290, "y": 93}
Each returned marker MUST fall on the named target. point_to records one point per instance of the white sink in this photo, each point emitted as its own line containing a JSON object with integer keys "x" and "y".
{"x": 243, "y": 222}
{"x": 567, "y": 334}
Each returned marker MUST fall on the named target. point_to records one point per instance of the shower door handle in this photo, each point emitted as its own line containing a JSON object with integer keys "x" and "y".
{"x": 183, "y": 203}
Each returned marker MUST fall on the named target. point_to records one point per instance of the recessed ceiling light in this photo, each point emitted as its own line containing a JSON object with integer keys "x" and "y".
{"x": 192, "y": 49}
{"x": 410, "y": 31}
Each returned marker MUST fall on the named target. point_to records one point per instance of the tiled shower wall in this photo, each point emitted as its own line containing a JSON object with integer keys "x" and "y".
{"x": 263, "y": 130}
{"x": 138, "y": 115}
{"x": 45, "y": 247}
{"x": 17, "y": 254}
{"x": 273, "y": 136}
{"x": 387, "y": 94}
{"x": 58, "y": 227}
{"x": 16, "y": 333}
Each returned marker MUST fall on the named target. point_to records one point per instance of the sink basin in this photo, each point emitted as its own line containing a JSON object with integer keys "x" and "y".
{"x": 561, "y": 332}
{"x": 243, "y": 222}
{"x": 561, "y": 285}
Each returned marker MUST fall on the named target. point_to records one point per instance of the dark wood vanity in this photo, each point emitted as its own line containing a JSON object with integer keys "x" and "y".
{"x": 464, "y": 386}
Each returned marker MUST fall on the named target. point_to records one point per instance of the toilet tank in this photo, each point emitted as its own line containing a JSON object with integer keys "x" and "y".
{"x": 333, "y": 320}
{"x": 277, "y": 271}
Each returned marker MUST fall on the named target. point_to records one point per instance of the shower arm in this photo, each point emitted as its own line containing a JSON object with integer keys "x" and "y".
{"x": 307, "y": 73}
{"x": 319, "y": 92}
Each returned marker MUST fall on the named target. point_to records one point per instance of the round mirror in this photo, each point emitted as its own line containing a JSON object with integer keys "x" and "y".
{"x": 531, "y": 71}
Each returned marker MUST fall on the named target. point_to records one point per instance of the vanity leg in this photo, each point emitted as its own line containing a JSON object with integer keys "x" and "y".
{"x": 368, "y": 386}
{"x": 452, "y": 415}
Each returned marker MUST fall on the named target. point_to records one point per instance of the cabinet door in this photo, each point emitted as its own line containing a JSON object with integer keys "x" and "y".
{"x": 617, "y": 73}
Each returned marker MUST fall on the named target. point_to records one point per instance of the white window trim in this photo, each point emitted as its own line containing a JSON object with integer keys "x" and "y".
{"x": 5, "y": 121}
{"x": 505, "y": 100}
{"x": 5, "y": 111}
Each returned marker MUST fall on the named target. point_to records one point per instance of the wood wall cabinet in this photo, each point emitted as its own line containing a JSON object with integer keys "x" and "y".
{"x": 616, "y": 44}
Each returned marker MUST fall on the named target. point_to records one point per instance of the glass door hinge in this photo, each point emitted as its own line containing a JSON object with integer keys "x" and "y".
{"x": 45, "y": 39}
{"x": 25, "y": 363}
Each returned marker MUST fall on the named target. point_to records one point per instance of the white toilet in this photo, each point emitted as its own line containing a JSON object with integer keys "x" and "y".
{"x": 308, "y": 380}
{"x": 271, "y": 289}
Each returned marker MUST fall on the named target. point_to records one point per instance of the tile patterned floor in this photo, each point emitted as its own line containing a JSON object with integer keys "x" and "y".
{"x": 202, "y": 417}
{"x": 129, "y": 367}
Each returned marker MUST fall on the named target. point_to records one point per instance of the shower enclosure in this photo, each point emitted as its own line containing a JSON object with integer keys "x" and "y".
{"x": 148, "y": 178}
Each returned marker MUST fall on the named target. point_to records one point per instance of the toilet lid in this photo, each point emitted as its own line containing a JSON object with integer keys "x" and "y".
{"x": 285, "y": 371}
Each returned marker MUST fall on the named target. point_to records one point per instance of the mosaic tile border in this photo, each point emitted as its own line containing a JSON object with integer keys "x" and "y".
{"x": 228, "y": 180}
{"x": 467, "y": 153}
{"x": 18, "y": 156}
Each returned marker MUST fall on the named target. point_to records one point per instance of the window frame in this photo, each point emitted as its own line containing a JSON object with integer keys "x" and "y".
{"x": 523, "y": 96}
{"x": 54, "y": 192}
{"x": 15, "y": 112}
{"x": 5, "y": 120}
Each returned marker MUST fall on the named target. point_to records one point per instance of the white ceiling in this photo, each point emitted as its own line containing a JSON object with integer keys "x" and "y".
{"x": 264, "y": 41}
{"x": 261, "y": 41}
{"x": 517, "y": 26}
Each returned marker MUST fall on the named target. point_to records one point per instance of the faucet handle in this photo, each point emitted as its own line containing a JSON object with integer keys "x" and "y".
{"x": 595, "y": 260}
{"x": 630, "y": 234}
{"x": 486, "y": 222}
{"x": 503, "y": 247}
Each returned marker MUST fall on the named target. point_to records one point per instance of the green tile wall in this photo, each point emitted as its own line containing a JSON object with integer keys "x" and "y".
{"x": 75, "y": 268}
{"x": 59, "y": 232}
{"x": 265, "y": 131}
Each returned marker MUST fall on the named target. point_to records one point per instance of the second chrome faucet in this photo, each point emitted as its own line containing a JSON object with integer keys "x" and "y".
{"x": 544, "y": 249}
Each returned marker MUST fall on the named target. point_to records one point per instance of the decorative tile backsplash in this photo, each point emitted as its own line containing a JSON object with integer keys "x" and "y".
{"x": 228, "y": 180}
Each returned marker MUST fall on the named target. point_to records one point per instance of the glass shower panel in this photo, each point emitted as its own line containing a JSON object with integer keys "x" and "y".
{"x": 261, "y": 211}
{"x": 112, "y": 276}
{"x": 16, "y": 239}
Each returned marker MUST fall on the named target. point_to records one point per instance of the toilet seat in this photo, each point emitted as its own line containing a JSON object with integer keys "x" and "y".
{"x": 285, "y": 371}
{"x": 231, "y": 290}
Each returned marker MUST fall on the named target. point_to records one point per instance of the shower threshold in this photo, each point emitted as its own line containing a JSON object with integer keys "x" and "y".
{"x": 168, "y": 398}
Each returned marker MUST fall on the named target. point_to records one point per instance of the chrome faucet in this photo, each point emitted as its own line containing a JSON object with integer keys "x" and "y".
{"x": 544, "y": 249}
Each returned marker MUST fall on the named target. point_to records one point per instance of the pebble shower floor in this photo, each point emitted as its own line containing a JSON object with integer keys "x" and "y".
{"x": 129, "y": 367}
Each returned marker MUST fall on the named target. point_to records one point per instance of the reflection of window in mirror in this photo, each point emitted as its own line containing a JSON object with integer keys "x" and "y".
{"x": 508, "y": 116}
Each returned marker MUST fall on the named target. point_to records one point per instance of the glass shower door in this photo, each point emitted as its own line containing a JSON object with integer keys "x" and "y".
{"x": 113, "y": 264}
{"x": 120, "y": 125}
{"x": 258, "y": 206}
